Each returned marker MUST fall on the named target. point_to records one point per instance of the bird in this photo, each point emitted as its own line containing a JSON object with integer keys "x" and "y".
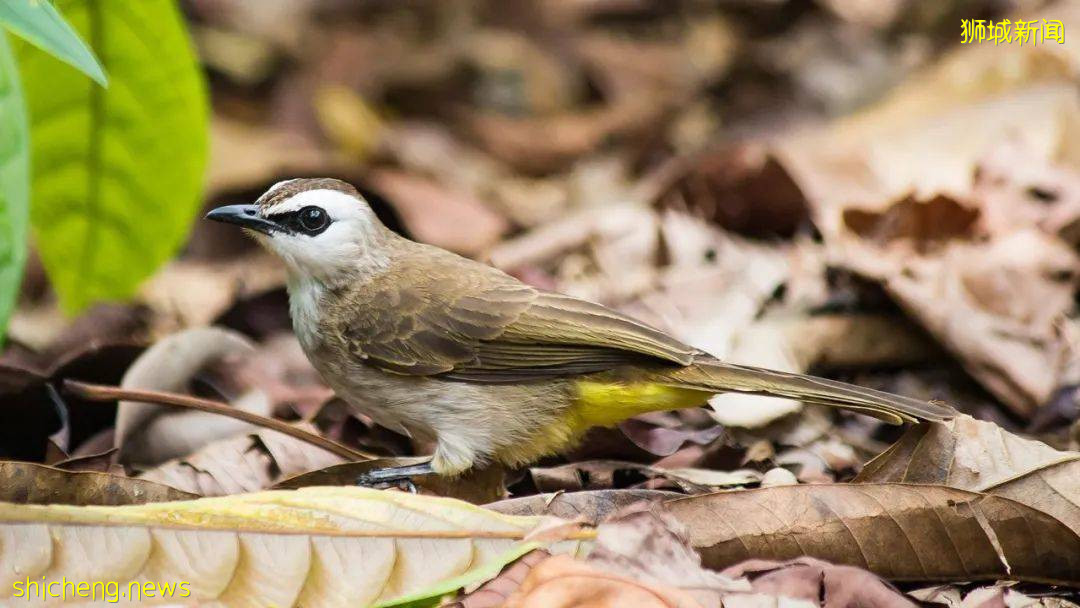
{"x": 488, "y": 369}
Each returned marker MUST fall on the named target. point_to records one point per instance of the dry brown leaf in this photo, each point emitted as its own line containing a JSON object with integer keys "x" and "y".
{"x": 475, "y": 486}
{"x": 982, "y": 457}
{"x": 998, "y": 305}
{"x": 665, "y": 441}
{"x": 743, "y": 189}
{"x": 903, "y": 148}
{"x": 443, "y": 216}
{"x": 591, "y": 507}
{"x": 29, "y": 483}
{"x": 101, "y": 462}
{"x": 899, "y": 532}
{"x": 925, "y": 224}
{"x": 245, "y": 463}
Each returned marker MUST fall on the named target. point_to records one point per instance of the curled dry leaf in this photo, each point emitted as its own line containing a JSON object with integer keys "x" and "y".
{"x": 665, "y": 441}
{"x": 29, "y": 483}
{"x": 982, "y": 457}
{"x": 244, "y": 463}
{"x": 309, "y": 547}
{"x": 778, "y": 476}
{"x": 899, "y": 532}
{"x": 148, "y": 434}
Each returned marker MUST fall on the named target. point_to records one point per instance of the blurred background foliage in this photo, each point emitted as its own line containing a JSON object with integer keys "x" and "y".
{"x": 116, "y": 167}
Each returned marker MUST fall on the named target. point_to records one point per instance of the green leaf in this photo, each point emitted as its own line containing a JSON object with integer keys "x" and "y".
{"x": 38, "y": 22}
{"x": 433, "y": 595}
{"x": 14, "y": 182}
{"x": 117, "y": 173}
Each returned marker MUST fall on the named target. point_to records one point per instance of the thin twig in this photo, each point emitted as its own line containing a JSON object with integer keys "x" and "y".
{"x": 103, "y": 392}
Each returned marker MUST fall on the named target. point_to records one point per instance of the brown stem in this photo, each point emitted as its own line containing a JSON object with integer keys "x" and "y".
{"x": 102, "y": 392}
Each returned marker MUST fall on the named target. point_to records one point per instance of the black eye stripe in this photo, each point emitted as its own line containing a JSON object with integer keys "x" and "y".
{"x": 310, "y": 220}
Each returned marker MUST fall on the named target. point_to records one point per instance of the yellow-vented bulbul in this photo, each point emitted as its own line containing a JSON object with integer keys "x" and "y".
{"x": 488, "y": 368}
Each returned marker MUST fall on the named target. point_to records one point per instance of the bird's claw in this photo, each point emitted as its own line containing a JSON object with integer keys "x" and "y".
{"x": 404, "y": 483}
{"x": 393, "y": 477}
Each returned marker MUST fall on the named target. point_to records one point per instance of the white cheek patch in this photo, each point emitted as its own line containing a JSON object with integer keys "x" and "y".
{"x": 322, "y": 255}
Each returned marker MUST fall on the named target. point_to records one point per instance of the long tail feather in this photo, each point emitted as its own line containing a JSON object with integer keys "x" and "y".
{"x": 713, "y": 375}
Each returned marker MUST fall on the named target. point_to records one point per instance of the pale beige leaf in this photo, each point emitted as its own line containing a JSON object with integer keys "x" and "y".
{"x": 148, "y": 434}
{"x": 205, "y": 558}
{"x": 321, "y": 546}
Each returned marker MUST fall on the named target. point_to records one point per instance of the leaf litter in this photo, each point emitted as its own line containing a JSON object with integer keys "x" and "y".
{"x": 845, "y": 193}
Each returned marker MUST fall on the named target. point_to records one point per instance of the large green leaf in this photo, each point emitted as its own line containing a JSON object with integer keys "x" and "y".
{"x": 14, "y": 182}
{"x": 117, "y": 173}
{"x": 39, "y": 22}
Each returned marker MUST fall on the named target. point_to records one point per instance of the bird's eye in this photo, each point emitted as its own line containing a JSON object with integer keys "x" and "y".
{"x": 313, "y": 219}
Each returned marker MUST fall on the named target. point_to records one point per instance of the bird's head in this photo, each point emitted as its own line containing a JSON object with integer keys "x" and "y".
{"x": 320, "y": 227}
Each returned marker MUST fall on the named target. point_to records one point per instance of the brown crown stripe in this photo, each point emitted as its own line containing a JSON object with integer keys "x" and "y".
{"x": 296, "y": 186}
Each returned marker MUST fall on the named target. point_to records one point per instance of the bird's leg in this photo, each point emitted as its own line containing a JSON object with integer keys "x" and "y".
{"x": 391, "y": 476}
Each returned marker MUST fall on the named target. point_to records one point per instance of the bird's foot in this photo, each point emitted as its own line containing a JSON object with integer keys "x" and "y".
{"x": 394, "y": 477}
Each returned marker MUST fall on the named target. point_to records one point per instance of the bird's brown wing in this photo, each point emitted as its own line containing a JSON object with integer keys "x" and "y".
{"x": 466, "y": 321}
{"x": 445, "y": 316}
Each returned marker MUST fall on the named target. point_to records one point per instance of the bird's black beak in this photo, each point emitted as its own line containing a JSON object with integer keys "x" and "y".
{"x": 243, "y": 215}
